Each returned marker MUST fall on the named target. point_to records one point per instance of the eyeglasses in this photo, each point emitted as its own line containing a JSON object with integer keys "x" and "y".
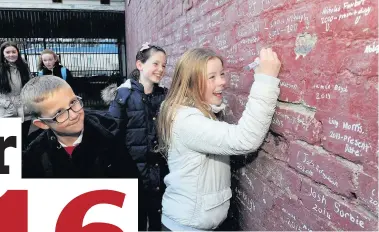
{"x": 61, "y": 117}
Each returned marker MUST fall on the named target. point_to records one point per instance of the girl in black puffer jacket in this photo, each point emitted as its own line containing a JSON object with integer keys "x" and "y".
{"x": 136, "y": 104}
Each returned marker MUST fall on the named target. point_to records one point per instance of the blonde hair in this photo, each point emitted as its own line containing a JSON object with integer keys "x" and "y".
{"x": 47, "y": 51}
{"x": 37, "y": 90}
{"x": 187, "y": 89}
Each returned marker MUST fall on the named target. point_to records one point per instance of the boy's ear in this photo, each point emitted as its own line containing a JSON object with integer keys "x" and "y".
{"x": 139, "y": 65}
{"x": 38, "y": 123}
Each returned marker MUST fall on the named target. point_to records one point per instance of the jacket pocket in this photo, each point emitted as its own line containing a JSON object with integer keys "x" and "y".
{"x": 215, "y": 208}
{"x": 211, "y": 201}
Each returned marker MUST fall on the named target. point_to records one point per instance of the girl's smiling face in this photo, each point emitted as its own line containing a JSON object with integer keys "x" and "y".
{"x": 11, "y": 54}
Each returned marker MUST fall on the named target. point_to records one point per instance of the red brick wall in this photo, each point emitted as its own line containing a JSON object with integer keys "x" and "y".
{"x": 318, "y": 169}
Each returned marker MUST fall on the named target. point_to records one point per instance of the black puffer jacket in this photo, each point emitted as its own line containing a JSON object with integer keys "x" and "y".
{"x": 99, "y": 155}
{"x": 57, "y": 72}
{"x": 138, "y": 113}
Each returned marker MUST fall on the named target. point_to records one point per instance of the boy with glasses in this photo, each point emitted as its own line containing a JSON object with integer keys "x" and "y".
{"x": 75, "y": 143}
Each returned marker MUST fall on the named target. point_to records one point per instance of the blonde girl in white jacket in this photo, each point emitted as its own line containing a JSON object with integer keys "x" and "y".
{"x": 198, "y": 145}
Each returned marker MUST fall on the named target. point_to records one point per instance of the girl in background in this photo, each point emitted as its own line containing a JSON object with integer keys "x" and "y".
{"x": 14, "y": 73}
{"x": 49, "y": 64}
{"x": 136, "y": 104}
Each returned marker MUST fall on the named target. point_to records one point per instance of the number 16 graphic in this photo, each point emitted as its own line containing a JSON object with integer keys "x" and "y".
{"x": 14, "y": 211}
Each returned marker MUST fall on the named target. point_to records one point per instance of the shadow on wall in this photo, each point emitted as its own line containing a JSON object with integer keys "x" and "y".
{"x": 235, "y": 212}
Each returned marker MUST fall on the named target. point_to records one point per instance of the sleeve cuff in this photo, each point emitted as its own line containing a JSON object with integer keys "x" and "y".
{"x": 266, "y": 79}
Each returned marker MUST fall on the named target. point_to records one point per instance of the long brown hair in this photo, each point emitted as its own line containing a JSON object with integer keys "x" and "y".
{"x": 21, "y": 65}
{"x": 187, "y": 89}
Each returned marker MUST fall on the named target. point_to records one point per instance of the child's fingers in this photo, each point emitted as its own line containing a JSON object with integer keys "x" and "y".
{"x": 269, "y": 54}
{"x": 276, "y": 57}
{"x": 263, "y": 54}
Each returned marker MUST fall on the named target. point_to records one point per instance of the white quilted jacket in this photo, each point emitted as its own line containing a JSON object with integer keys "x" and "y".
{"x": 198, "y": 185}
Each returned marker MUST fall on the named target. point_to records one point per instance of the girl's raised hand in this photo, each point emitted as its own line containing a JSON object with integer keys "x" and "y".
{"x": 269, "y": 63}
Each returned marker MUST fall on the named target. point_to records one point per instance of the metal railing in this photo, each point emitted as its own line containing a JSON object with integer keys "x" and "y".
{"x": 82, "y": 56}
{"x": 94, "y": 63}
{"x": 88, "y": 43}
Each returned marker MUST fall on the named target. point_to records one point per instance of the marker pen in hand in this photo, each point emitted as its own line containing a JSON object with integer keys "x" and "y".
{"x": 253, "y": 65}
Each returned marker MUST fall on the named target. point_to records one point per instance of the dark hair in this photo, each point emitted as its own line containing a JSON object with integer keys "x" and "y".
{"x": 22, "y": 67}
{"x": 143, "y": 56}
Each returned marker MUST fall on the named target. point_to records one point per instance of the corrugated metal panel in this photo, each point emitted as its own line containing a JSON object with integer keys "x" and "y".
{"x": 115, "y": 5}
{"x": 61, "y": 24}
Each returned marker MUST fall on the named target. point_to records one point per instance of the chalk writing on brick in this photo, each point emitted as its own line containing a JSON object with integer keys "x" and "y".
{"x": 308, "y": 162}
{"x": 288, "y": 24}
{"x": 292, "y": 222}
{"x": 346, "y": 10}
{"x": 350, "y": 134}
{"x": 245, "y": 200}
{"x": 329, "y": 208}
{"x": 374, "y": 198}
{"x": 320, "y": 206}
{"x": 372, "y": 48}
{"x": 329, "y": 91}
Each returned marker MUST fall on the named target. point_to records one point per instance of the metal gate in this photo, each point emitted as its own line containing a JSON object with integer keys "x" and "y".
{"x": 89, "y": 43}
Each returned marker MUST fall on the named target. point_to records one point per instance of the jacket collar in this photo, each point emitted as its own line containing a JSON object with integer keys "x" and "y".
{"x": 135, "y": 85}
{"x": 92, "y": 127}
